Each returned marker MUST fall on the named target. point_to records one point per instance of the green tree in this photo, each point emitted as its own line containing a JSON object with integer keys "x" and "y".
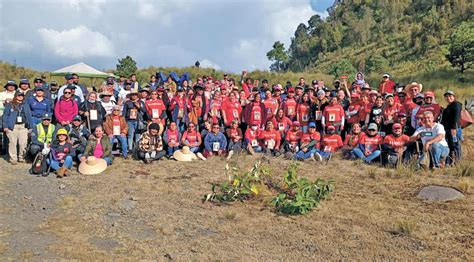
{"x": 126, "y": 66}
{"x": 376, "y": 63}
{"x": 343, "y": 67}
{"x": 461, "y": 47}
{"x": 278, "y": 56}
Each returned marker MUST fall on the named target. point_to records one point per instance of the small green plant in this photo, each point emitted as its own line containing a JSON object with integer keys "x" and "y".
{"x": 240, "y": 187}
{"x": 299, "y": 196}
{"x": 406, "y": 227}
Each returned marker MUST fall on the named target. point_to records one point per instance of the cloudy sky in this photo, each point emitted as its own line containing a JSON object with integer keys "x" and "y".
{"x": 231, "y": 35}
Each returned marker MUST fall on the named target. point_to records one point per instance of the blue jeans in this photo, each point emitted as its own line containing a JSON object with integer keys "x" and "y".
{"x": 132, "y": 136}
{"x": 55, "y": 164}
{"x": 194, "y": 149}
{"x": 300, "y": 155}
{"x": 171, "y": 150}
{"x": 357, "y": 152}
{"x": 438, "y": 153}
{"x": 123, "y": 143}
{"x": 237, "y": 146}
{"x": 181, "y": 125}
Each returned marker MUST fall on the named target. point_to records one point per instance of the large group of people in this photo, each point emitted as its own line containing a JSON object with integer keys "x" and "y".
{"x": 184, "y": 120}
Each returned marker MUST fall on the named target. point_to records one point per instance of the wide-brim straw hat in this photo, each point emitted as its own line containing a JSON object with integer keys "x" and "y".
{"x": 184, "y": 155}
{"x": 92, "y": 166}
{"x": 414, "y": 84}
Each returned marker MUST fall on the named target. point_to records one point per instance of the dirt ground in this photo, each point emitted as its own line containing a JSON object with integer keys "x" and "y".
{"x": 124, "y": 214}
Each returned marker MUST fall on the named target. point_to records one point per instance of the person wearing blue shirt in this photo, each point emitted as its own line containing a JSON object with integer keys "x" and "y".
{"x": 215, "y": 142}
{"x": 39, "y": 105}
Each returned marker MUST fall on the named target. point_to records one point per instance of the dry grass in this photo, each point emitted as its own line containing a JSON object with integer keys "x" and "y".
{"x": 406, "y": 227}
{"x": 464, "y": 186}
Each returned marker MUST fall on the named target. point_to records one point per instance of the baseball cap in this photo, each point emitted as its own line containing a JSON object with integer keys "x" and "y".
{"x": 46, "y": 116}
{"x": 291, "y": 89}
{"x": 77, "y": 117}
{"x": 402, "y": 114}
{"x": 419, "y": 95}
{"x": 314, "y": 82}
{"x": 68, "y": 77}
{"x": 39, "y": 88}
{"x": 448, "y": 92}
{"x": 429, "y": 94}
{"x": 386, "y": 75}
{"x": 331, "y": 127}
{"x": 312, "y": 124}
{"x": 396, "y": 125}
{"x": 296, "y": 123}
{"x": 388, "y": 95}
{"x": 321, "y": 93}
{"x": 24, "y": 81}
{"x": 372, "y": 126}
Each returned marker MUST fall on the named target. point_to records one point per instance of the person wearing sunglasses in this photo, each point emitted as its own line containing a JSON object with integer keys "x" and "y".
{"x": 215, "y": 142}
{"x": 66, "y": 108}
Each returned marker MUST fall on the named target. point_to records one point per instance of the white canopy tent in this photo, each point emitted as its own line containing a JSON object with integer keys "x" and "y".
{"x": 82, "y": 70}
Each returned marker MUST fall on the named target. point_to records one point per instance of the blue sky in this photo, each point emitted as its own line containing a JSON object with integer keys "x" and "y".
{"x": 231, "y": 35}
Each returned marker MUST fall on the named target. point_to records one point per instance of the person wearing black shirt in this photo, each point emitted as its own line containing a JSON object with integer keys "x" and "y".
{"x": 450, "y": 120}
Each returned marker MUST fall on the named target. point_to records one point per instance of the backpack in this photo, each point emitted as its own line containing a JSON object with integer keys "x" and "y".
{"x": 39, "y": 165}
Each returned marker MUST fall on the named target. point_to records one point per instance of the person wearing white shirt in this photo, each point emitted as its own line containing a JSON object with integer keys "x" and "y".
{"x": 432, "y": 136}
{"x": 69, "y": 82}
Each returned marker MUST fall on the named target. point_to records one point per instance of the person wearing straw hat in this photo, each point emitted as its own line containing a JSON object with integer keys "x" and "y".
{"x": 61, "y": 154}
{"x": 107, "y": 102}
{"x": 413, "y": 89}
{"x": 98, "y": 146}
{"x": 150, "y": 144}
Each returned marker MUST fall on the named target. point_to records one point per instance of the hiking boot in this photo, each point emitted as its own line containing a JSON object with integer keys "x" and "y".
{"x": 61, "y": 172}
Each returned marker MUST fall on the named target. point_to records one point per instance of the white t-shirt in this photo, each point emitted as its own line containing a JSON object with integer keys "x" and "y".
{"x": 428, "y": 133}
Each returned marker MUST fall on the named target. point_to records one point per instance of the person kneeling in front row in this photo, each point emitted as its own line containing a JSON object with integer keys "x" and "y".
{"x": 98, "y": 146}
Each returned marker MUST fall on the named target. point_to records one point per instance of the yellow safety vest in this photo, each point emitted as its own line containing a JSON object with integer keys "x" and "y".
{"x": 42, "y": 136}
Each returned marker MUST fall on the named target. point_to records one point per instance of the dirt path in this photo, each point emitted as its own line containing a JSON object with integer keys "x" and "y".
{"x": 155, "y": 212}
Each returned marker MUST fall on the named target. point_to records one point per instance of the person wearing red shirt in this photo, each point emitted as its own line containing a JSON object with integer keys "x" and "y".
{"x": 352, "y": 113}
{"x": 234, "y": 136}
{"x": 289, "y": 104}
{"x": 369, "y": 146}
{"x": 271, "y": 139}
{"x": 303, "y": 112}
{"x": 390, "y": 113}
{"x": 191, "y": 138}
{"x": 429, "y": 105}
{"x": 255, "y": 112}
{"x": 172, "y": 137}
{"x": 331, "y": 142}
{"x": 215, "y": 107}
{"x": 251, "y": 139}
{"x": 407, "y": 104}
{"x": 310, "y": 143}
{"x": 156, "y": 108}
{"x": 293, "y": 138}
{"x": 231, "y": 110}
{"x": 333, "y": 115}
{"x": 352, "y": 140}
{"x": 394, "y": 145}
{"x": 387, "y": 86}
{"x": 271, "y": 104}
{"x": 281, "y": 123}
{"x": 364, "y": 109}
{"x": 179, "y": 109}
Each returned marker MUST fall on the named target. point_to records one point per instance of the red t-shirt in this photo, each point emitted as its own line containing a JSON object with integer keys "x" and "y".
{"x": 371, "y": 143}
{"x": 294, "y": 137}
{"x": 354, "y": 118}
{"x": 364, "y": 110}
{"x": 303, "y": 112}
{"x": 331, "y": 143}
{"x": 192, "y": 137}
{"x": 353, "y": 140}
{"x": 290, "y": 107}
{"x": 252, "y": 136}
{"x": 232, "y": 110}
{"x": 173, "y": 136}
{"x": 392, "y": 111}
{"x": 333, "y": 114}
{"x": 396, "y": 142}
{"x": 434, "y": 108}
{"x": 267, "y": 135}
{"x": 154, "y": 108}
{"x": 271, "y": 104}
{"x": 307, "y": 138}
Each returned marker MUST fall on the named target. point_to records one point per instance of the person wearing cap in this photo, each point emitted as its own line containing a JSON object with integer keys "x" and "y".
{"x": 70, "y": 85}
{"x": 394, "y": 145}
{"x": 270, "y": 140}
{"x": 66, "y": 108}
{"x": 106, "y": 102}
{"x": 450, "y": 120}
{"x": 387, "y": 85}
{"x": 310, "y": 144}
{"x": 116, "y": 128}
{"x": 98, "y": 146}
{"x": 39, "y": 105}
{"x": 304, "y": 110}
{"x": 369, "y": 148}
{"x": 263, "y": 89}
{"x": 92, "y": 111}
{"x": 134, "y": 111}
{"x": 75, "y": 81}
{"x": 255, "y": 111}
{"x": 62, "y": 154}
{"x": 314, "y": 85}
{"x": 172, "y": 138}
{"x": 78, "y": 135}
{"x": 42, "y": 135}
{"x": 215, "y": 142}
{"x": 289, "y": 104}
{"x": 429, "y": 104}
{"x": 38, "y": 82}
{"x": 432, "y": 136}
{"x": 330, "y": 143}
{"x": 390, "y": 112}
{"x": 419, "y": 100}
{"x": 333, "y": 115}
{"x": 150, "y": 144}
{"x": 144, "y": 93}
{"x": 24, "y": 87}
{"x": 17, "y": 125}
{"x": 292, "y": 140}
{"x": 298, "y": 93}
{"x": 252, "y": 138}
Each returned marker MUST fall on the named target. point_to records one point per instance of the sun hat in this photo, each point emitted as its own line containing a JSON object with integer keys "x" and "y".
{"x": 413, "y": 84}
{"x": 184, "y": 154}
{"x": 11, "y": 83}
{"x": 104, "y": 94}
{"x": 92, "y": 166}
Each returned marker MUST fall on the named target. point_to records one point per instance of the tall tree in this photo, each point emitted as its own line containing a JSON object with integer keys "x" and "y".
{"x": 126, "y": 66}
{"x": 461, "y": 47}
{"x": 279, "y": 57}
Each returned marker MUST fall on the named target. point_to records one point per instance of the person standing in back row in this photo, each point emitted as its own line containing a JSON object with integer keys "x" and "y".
{"x": 450, "y": 120}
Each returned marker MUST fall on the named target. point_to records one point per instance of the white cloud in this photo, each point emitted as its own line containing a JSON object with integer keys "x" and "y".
{"x": 17, "y": 45}
{"x": 206, "y": 63}
{"x": 163, "y": 11}
{"x": 77, "y": 42}
{"x": 91, "y": 7}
